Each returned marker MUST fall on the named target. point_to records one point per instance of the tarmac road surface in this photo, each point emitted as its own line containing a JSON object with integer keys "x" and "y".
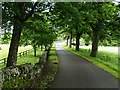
{"x": 76, "y": 72}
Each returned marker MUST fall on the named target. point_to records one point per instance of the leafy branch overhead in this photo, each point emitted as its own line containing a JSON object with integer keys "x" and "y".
{"x": 40, "y": 23}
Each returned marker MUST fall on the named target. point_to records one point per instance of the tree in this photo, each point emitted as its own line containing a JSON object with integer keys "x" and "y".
{"x": 16, "y": 13}
{"x": 103, "y": 14}
{"x": 69, "y": 16}
{"x": 90, "y": 18}
{"x": 38, "y": 31}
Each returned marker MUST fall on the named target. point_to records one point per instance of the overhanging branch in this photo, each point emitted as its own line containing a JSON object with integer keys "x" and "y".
{"x": 31, "y": 12}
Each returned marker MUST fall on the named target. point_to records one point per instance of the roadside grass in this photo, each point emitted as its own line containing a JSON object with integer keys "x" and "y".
{"x": 29, "y": 58}
{"x": 46, "y": 82}
{"x": 53, "y": 56}
{"x": 106, "y": 61}
{"x": 104, "y": 56}
{"x": 5, "y": 49}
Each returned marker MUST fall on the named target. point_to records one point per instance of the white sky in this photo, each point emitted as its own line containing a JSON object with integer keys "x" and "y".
{"x": 80, "y": 0}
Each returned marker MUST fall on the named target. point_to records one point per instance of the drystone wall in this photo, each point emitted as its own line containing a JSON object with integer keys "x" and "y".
{"x": 23, "y": 75}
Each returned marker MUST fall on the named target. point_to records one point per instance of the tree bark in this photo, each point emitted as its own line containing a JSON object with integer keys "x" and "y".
{"x": 77, "y": 40}
{"x": 95, "y": 42}
{"x": 70, "y": 40}
{"x": 67, "y": 41}
{"x": 34, "y": 50}
{"x": 78, "y": 34}
{"x": 12, "y": 55}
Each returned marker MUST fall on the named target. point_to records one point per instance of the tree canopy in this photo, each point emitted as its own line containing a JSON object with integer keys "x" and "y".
{"x": 39, "y": 24}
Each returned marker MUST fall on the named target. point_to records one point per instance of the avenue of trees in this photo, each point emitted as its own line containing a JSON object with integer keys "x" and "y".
{"x": 96, "y": 22}
{"x": 39, "y": 23}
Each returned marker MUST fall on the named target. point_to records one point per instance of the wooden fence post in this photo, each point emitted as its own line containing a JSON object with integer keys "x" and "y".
{"x": 19, "y": 55}
{"x": 23, "y": 53}
{"x": 4, "y": 60}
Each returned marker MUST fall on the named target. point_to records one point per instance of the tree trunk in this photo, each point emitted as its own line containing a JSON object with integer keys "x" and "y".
{"x": 34, "y": 50}
{"x": 95, "y": 42}
{"x": 67, "y": 41}
{"x": 78, "y": 34}
{"x": 12, "y": 55}
{"x": 77, "y": 40}
{"x": 45, "y": 47}
{"x": 70, "y": 40}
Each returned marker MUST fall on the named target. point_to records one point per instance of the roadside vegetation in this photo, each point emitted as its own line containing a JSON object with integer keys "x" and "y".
{"x": 52, "y": 67}
{"x": 106, "y": 61}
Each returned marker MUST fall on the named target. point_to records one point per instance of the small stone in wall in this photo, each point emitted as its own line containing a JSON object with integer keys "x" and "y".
{"x": 26, "y": 68}
{"x": 15, "y": 72}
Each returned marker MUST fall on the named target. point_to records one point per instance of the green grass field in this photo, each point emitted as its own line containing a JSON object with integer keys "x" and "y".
{"x": 108, "y": 49}
{"x": 5, "y": 49}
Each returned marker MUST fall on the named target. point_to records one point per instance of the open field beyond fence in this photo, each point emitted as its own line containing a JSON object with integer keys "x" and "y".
{"x": 5, "y": 49}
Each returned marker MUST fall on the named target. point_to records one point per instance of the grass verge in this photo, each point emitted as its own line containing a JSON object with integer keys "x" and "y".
{"x": 109, "y": 67}
{"x": 30, "y": 57}
{"x": 53, "y": 68}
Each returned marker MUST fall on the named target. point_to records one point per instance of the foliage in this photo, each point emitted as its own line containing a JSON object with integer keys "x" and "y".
{"x": 21, "y": 82}
{"x": 21, "y": 15}
{"x": 95, "y": 20}
{"x": 87, "y": 39}
{"x": 38, "y": 24}
{"x": 43, "y": 33}
{"x": 6, "y": 37}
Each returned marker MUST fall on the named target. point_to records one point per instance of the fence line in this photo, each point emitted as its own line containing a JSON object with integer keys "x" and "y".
{"x": 4, "y": 60}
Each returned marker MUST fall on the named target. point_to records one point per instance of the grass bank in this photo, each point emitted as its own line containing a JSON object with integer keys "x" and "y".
{"x": 106, "y": 61}
{"x": 53, "y": 68}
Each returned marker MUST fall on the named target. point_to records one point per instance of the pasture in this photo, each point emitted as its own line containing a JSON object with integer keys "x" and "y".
{"x": 112, "y": 50}
{"x": 29, "y": 58}
{"x": 5, "y": 48}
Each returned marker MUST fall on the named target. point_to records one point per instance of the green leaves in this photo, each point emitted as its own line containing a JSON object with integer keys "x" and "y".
{"x": 39, "y": 30}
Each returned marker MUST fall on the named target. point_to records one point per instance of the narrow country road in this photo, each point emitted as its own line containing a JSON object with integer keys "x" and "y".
{"x": 76, "y": 72}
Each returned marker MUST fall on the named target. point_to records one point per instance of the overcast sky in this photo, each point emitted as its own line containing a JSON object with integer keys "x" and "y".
{"x": 75, "y": 0}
